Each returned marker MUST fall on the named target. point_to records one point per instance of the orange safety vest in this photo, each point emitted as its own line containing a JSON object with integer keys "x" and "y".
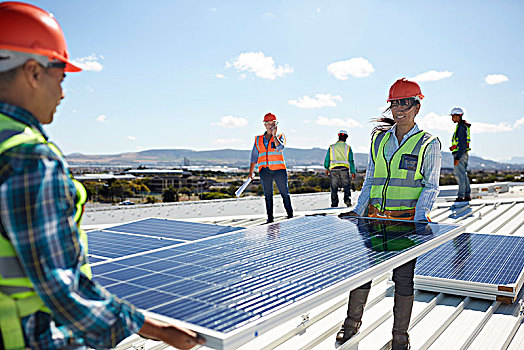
{"x": 269, "y": 157}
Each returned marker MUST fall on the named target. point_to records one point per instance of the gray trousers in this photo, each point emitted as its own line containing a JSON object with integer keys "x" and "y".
{"x": 340, "y": 178}
{"x": 461, "y": 175}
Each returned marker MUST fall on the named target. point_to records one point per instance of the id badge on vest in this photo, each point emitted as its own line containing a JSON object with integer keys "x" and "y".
{"x": 408, "y": 162}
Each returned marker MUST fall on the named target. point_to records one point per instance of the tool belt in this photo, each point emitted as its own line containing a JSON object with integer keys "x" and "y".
{"x": 408, "y": 214}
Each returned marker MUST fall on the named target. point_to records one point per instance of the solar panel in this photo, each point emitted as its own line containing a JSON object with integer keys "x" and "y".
{"x": 145, "y": 235}
{"x": 174, "y": 229}
{"x": 484, "y": 266}
{"x": 226, "y": 286}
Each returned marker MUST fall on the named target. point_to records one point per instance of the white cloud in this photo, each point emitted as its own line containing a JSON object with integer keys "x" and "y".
{"x": 269, "y": 15}
{"x": 90, "y": 63}
{"x": 90, "y": 89}
{"x": 220, "y": 76}
{"x": 434, "y": 122}
{"x": 492, "y": 79}
{"x": 235, "y": 142}
{"x": 131, "y": 138}
{"x": 357, "y": 67}
{"x": 432, "y": 75}
{"x": 261, "y": 65}
{"x": 320, "y": 100}
{"x": 231, "y": 122}
{"x": 212, "y": 9}
{"x": 349, "y": 123}
{"x": 443, "y": 123}
{"x": 101, "y": 119}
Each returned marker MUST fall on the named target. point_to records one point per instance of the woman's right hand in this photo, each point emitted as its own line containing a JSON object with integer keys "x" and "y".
{"x": 177, "y": 337}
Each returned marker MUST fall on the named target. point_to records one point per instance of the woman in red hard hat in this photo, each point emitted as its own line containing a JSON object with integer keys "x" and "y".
{"x": 268, "y": 154}
{"x": 402, "y": 182}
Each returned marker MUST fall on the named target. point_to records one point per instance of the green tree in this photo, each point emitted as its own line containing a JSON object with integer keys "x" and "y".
{"x": 186, "y": 191}
{"x": 170, "y": 195}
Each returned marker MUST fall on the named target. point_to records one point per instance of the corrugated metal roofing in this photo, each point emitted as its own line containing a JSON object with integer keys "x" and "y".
{"x": 439, "y": 321}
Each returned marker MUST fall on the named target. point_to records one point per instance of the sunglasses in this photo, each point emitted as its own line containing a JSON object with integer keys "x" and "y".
{"x": 270, "y": 123}
{"x": 403, "y": 102}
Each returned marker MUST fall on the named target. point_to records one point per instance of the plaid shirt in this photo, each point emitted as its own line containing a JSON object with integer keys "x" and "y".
{"x": 37, "y": 207}
{"x": 430, "y": 172}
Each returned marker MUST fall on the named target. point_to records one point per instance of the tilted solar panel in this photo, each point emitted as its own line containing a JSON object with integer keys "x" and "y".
{"x": 489, "y": 266}
{"x": 227, "y": 286}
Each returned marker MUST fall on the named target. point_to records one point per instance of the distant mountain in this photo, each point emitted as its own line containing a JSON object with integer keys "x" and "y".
{"x": 241, "y": 158}
{"x": 517, "y": 160}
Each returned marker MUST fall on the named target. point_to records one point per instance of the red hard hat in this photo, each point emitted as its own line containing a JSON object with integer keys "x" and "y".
{"x": 269, "y": 117}
{"x": 404, "y": 88}
{"x": 27, "y": 28}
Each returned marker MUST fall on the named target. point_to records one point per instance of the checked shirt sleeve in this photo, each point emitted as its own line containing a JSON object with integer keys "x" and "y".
{"x": 37, "y": 210}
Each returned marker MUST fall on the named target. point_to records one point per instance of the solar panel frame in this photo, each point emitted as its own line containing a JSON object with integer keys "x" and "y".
{"x": 288, "y": 309}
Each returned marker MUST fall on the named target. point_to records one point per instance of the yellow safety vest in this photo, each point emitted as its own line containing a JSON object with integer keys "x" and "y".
{"x": 17, "y": 295}
{"x": 338, "y": 155}
{"x": 455, "y": 140}
{"x": 397, "y": 184}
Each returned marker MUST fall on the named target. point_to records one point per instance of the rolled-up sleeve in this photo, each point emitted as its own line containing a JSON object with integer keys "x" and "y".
{"x": 254, "y": 154}
{"x": 37, "y": 207}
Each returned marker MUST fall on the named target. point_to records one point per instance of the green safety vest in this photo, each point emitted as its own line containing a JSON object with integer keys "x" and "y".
{"x": 338, "y": 155}
{"x": 455, "y": 140}
{"x": 17, "y": 295}
{"x": 397, "y": 184}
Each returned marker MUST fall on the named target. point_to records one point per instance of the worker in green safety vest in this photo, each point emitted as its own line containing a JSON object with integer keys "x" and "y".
{"x": 339, "y": 163}
{"x": 402, "y": 183}
{"x": 47, "y": 297}
{"x": 460, "y": 146}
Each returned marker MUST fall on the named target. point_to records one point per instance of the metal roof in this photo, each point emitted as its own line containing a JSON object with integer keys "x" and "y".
{"x": 439, "y": 321}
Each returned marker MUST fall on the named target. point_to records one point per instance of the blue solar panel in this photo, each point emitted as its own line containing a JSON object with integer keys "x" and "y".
{"x": 486, "y": 259}
{"x": 183, "y": 230}
{"x": 110, "y": 245}
{"x": 223, "y": 282}
{"x": 145, "y": 235}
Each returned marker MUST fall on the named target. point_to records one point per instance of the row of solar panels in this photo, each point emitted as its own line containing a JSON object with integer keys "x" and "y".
{"x": 227, "y": 280}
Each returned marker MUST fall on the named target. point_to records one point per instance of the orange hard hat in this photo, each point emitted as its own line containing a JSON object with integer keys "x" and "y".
{"x": 27, "y": 28}
{"x": 269, "y": 117}
{"x": 404, "y": 88}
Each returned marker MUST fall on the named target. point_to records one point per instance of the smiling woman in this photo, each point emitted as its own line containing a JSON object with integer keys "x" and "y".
{"x": 402, "y": 180}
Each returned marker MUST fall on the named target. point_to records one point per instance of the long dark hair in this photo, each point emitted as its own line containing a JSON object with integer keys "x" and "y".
{"x": 386, "y": 122}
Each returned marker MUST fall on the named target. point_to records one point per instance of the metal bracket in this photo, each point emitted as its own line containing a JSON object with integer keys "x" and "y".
{"x": 139, "y": 344}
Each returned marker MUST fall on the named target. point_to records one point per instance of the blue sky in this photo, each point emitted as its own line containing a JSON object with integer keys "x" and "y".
{"x": 201, "y": 74}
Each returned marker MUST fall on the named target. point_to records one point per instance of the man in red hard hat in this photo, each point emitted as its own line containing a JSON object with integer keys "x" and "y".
{"x": 47, "y": 299}
{"x": 268, "y": 154}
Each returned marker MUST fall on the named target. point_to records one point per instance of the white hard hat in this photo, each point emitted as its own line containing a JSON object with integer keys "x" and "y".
{"x": 343, "y": 132}
{"x": 457, "y": 110}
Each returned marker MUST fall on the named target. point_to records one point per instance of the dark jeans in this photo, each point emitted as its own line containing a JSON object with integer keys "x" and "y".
{"x": 403, "y": 278}
{"x": 280, "y": 176}
{"x": 340, "y": 178}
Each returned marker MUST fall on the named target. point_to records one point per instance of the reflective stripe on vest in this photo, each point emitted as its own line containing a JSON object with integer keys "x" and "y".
{"x": 17, "y": 296}
{"x": 397, "y": 184}
{"x": 338, "y": 155}
{"x": 455, "y": 140}
{"x": 269, "y": 157}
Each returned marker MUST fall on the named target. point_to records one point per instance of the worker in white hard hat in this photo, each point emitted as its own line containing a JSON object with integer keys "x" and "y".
{"x": 460, "y": 146}
{"x": 339, "y": 163}
{"x": 47, "y": 297}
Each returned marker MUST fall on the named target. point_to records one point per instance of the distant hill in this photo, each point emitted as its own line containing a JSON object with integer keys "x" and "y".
{"x": 241, "y": 158}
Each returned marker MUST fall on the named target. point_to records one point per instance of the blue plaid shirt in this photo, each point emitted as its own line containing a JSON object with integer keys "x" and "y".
{"x": 37, "y": 207}
{"x": 430, "y": 172}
